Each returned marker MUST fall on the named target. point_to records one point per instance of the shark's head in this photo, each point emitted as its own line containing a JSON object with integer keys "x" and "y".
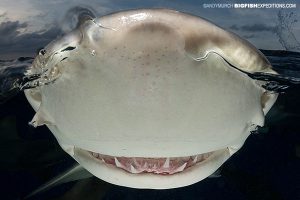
{"x": 150, "y": 98}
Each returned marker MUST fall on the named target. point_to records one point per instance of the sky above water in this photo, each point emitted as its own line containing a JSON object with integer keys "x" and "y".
{"x": 28, "y": 25}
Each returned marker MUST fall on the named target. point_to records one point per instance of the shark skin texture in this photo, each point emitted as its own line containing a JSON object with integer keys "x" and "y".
{"x": 150, "y": 98}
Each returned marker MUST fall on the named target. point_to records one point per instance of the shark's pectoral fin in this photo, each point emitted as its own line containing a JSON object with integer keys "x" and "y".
{"x": 76, "y": 172}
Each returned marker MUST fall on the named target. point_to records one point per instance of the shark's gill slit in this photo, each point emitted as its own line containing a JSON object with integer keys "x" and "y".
{"x": 69, "y": 48}
{"x": 160, "y": 166}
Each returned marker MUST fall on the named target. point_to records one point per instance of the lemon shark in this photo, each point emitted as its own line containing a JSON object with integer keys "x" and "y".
{"x": 150, "y": 98}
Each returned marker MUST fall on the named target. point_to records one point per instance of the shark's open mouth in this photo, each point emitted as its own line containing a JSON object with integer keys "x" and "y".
{"x": 162, "y": 166}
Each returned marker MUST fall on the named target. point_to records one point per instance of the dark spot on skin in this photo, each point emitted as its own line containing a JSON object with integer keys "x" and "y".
{"x": 69, "y": 48}
{"x": 194, "y": 41}
{"x": 152, "y": 27}
{"x": 64, "y": 58}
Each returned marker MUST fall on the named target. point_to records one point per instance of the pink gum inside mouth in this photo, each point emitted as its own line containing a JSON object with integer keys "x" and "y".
{"x": 163, "y": 166}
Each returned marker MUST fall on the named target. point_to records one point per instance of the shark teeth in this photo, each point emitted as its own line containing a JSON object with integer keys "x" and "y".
{"x": 195, "y": 159}
{"x": 180, "y": 169}
{"x": 133, "y": 170}
{"x": 118, "y": 164}
{"x": 167, "y": 163}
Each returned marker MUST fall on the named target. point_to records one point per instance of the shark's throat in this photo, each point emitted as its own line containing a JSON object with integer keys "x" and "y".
{"x": 162, "y": 166}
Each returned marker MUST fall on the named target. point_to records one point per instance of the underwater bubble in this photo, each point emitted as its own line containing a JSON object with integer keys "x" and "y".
{"x": 12, "y": 76}
{"x": 93, "y": 52}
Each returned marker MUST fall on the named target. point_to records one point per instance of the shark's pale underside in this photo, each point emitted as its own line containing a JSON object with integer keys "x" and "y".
{"x": 150, "y": 98}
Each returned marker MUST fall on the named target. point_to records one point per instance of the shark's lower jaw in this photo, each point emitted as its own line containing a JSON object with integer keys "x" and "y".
{"x": 160, "y": 166}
